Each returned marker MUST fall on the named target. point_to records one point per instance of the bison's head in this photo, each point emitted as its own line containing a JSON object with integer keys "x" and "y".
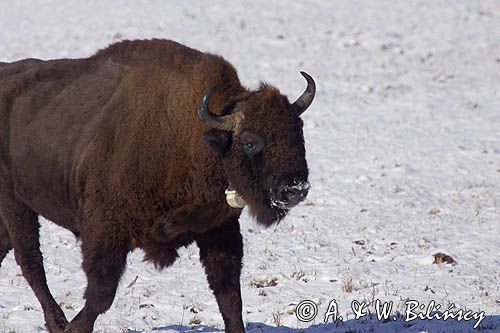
{"x": 261, "y": 147}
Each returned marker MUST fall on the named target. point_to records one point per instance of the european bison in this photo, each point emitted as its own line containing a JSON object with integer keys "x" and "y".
{"x": 134, "y": 147}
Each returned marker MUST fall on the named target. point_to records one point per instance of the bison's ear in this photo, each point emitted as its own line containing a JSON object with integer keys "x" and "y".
{"x": 217, "y": 141}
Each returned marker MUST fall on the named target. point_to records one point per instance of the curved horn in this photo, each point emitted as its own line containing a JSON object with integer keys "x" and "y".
{"x": 225, "y": 123}
{"x": 303, "y": 102}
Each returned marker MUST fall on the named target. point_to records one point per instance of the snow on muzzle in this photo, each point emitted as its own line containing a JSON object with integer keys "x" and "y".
{"x": 287, "y": 196}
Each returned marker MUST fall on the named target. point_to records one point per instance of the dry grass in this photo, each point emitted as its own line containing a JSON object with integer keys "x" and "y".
{"x": 277, "y": 321}
{"x": 263, "y": 283}
{"x": 347, "y": 284}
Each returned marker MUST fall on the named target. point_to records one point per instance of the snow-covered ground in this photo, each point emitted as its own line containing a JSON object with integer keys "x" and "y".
{"x": 403, "y": 144}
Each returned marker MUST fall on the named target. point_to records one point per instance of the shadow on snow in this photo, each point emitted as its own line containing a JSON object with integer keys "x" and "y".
{"x": 490, "y": 324}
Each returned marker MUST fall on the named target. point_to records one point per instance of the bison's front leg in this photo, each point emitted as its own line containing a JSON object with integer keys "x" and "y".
{"x": 104, "y": 253}
{"x": 221, "y": 251}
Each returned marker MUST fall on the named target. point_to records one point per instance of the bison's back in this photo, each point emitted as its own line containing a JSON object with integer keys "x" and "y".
{"x": 49, "y": 111}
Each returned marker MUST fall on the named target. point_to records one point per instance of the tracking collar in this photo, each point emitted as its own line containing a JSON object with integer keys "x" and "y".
{"x": 233, "y": 198}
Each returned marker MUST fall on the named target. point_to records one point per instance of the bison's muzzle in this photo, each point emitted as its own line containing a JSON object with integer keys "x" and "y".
{"x": 288, "y": 196}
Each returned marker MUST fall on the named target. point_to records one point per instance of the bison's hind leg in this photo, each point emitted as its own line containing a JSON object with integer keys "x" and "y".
{"x": 22, "y": 225}
{"x": 5, "y": 243}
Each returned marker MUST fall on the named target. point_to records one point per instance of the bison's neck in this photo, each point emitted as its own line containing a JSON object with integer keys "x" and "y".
{"x": 151, "y": 163}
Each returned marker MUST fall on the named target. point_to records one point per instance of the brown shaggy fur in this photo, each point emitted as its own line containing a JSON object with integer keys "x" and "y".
{"x": 110, "y": 147}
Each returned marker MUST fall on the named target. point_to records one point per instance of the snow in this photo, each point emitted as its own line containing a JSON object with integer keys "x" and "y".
{"x": 403, "y": 145}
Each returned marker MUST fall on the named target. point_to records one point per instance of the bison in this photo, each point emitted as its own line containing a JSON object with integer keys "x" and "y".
{"x": 146, "y": 144}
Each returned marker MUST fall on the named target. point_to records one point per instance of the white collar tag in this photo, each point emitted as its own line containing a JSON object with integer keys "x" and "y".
{"x": 234, "y": 199}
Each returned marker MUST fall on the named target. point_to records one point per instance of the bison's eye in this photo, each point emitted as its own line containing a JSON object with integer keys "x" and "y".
{"x": 251, "y": 142}
{"x": 250, "y": 148}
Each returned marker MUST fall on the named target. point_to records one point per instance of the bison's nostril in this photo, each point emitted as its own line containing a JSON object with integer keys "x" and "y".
{"x": 292, "y": 195}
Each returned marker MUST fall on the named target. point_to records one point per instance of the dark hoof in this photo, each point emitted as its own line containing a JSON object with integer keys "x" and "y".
{"x": 77, "y": 327}
{"x": 56, "y": 323}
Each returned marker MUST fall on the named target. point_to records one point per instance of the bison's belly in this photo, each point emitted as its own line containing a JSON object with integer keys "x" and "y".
{"x": 42, "y": 177}
{"x": 55, "y": 109}
{"x": 44, "y": 147}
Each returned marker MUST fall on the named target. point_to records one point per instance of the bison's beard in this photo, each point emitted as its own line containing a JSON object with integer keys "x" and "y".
{"x": 271, "y": 216}
{"x": 265, "y": 212}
